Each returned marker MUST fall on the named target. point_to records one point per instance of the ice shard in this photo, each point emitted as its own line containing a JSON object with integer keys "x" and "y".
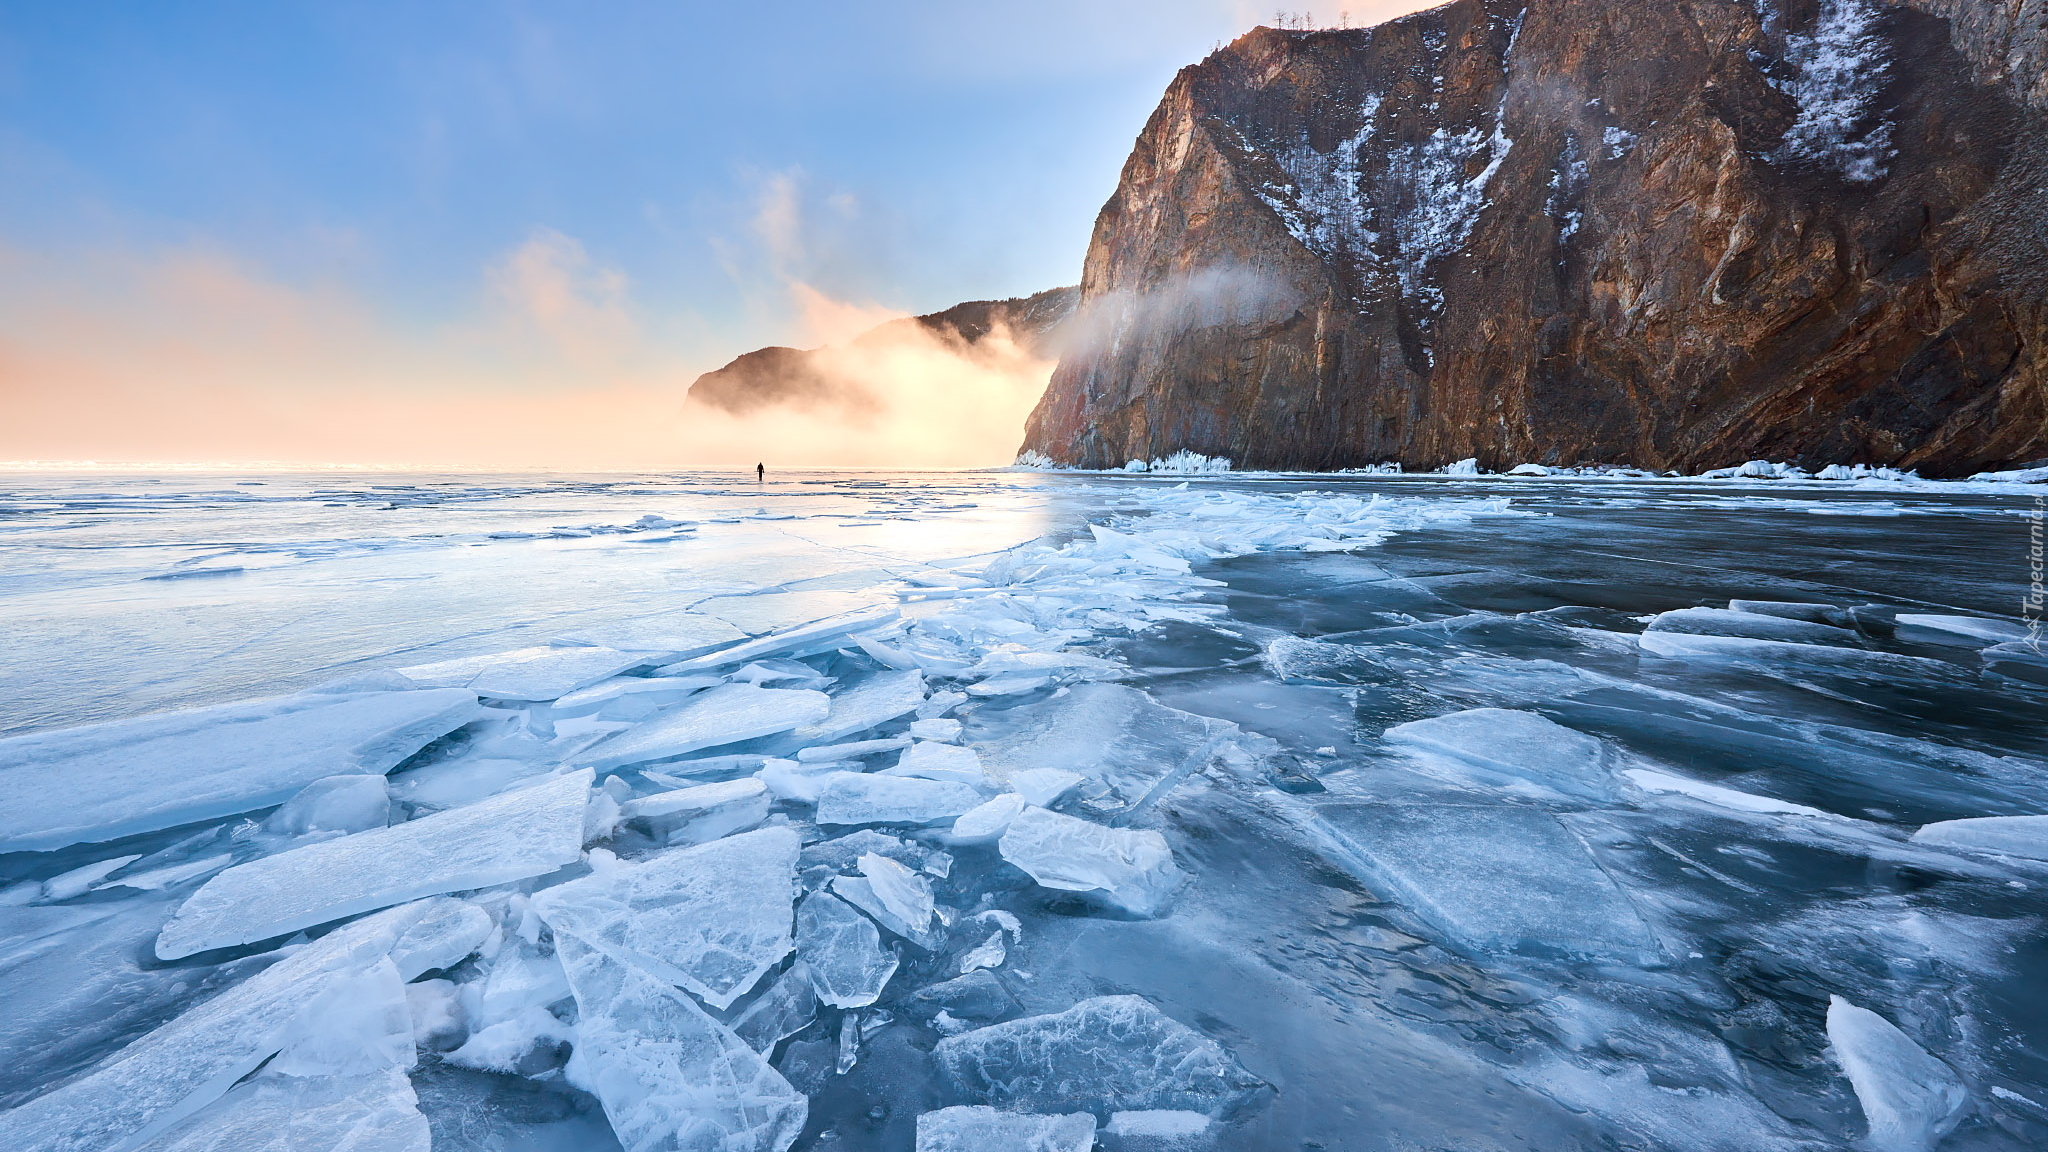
{"x": 1107, "y": 1054}
{"x": 2006, "y": 835}
{"x": 1960, "y": 631}
{"x": 1910, "y": 1099}
{"x": 979, "y": 1128}
{"x": 786, "y": 1008}
{"x": 1125, "y": 868}
{"x": 528, "y": 832}
{"x": 843, "y": 951}
{"x": 1502, "y": 746}
{"x": 876, "y": 700}
{"x": 724, "y": 715}
{"x": 1109, "y": 733}
{"x": 109, "y": 780}
{"x": 899, "y": 899}
{"x": 929, "y": 760}
{"x": 527, "y": 673}
{"x": 712, "y": 919}
{"x": 1491, "y": 878}
{"x": 704, "y": 812}
{"x": 671, "y": 1078}
{"x": 859, "y": 798}
{"x": 1750, "y": 625}
{"x": 368, "y": 1112}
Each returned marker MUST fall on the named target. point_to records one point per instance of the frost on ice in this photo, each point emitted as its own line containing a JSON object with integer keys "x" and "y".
{"x": 843, "y": 951}
{"x": 104, "y": 781}
{"x": 1492, "y": 878}
{"x": 1108, "y": 1054}
{"x": 671, "y": 1078}
{"x": 723, "y": 715}
{"x": 1127, "y": 869}
{"x": 528, "y": 832}
{"x": 979, "y": 1128}
{"x": 1910, "y": 1099}
{"x": 712, "y": 919}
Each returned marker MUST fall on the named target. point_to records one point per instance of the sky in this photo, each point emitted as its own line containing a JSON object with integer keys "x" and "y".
{"x": 492, "y": 234}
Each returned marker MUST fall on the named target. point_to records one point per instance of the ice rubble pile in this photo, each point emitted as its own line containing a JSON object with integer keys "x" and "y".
{"x": 669, "y": 864}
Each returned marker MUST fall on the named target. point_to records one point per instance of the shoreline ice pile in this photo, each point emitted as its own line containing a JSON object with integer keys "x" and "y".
{"x": 1191, "y": 825}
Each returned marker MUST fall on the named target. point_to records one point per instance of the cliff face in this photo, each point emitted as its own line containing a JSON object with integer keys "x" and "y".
{"x": 1670, "y": 234}
{"x": 767, "y": 377}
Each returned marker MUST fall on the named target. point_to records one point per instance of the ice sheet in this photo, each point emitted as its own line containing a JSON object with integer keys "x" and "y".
{"x": 1650, "y": 780}
{"x": 877, "y": 700}
{"x": 2008, "y": 835}
{"x": 978, "y": 1128}
{"x": 1491, "y": 878}
{"x": 671, "y": 635}
{"x": 1108, "y": 1054}
{"x": 1508, "y": 746}
{"x": 527, "y": 673}
{"x": 528, "y": 832}
{"x": 929, "y": 760}
{"x": 1752, "y": 625}
{"x": 859, "y": 798}
{"x": 724, "y": 715}
{"x": 672, "y": 1079}
{"x": 648, "y": 691}
{"x": 368, "y": 1112}
{"x": 1910, "y": 1099}
{"x": 712, "y": 919}
{"x": 129, "y": 776}
{"x": 1963, "y": 631}
{"x": 843, "y": 951}
{"x": 1128, "y": 869}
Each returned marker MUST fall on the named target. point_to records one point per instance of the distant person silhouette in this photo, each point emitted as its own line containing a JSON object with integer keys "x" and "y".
{"x": 760, "y": 473}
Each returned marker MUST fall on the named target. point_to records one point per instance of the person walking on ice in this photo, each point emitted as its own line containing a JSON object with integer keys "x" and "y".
{"x": 760, "y": 473}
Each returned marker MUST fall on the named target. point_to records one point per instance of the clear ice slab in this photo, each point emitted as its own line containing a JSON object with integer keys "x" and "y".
{"x": 704, "y": 812}
{"x": 1910, "y": 1099}
{"x": 876, "y": 700}
{"x": 1109, "y": 733}
{"x": 368, "y": 1112}
{"x": 1107, "y": 1054}
{"x": 1492, "y": 878}
{"x": 1505, "y": 746}
{"x": 979, "y": 1128}
{"x": 104, "y": 781}
{"x": 2006, "y": 835}
{"x": 527, "y": 832}
{"x": 670, "y": 1077}
{"x": 712, "y": 919}
{"x": 1128, "y": 869}
{"x": 527, "y": 673}
{"x": 898, "y": 898}
{"x": 860, "y": 798}
{"x": 843, "y": 951}
{"x": 727, "y": 714}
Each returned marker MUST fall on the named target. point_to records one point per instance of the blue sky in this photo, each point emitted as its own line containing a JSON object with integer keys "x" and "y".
{"x": 652, "y": 177}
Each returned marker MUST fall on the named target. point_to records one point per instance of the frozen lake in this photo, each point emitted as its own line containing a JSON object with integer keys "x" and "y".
{"x": 1209, "y": 812}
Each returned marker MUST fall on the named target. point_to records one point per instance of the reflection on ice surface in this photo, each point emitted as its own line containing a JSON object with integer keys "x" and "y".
{"x": 1011, "y": 810}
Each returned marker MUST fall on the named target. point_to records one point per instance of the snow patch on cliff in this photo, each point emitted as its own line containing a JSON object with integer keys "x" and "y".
{"x": 1324, "y": 207}
{"x": 1439, "y": 205}
{"x": 1840, "y": 69}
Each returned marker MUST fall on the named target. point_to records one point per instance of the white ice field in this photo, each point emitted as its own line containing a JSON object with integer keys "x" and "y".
{"x": 978, "y": 812}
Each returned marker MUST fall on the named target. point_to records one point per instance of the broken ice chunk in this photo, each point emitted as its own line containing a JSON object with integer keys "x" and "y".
{"x": 521, "y": 977}
{"x": 858, "y": 798}
{"x": 368, "y": 1112}
{"x": 1771, "y": 653}
{"x": 703, "y": 813}
{"x": 189, "y": 1062}
{"x": 1796, "y": 610}
{"x": 1506, "y": 746}
{"x": 876, "y": 700}
{"x": 647, "y": 691}
{"x": 843, "y": 951}
{"x": 1163, "y": 1129}
{"x": 973, "y": 995}
{"x": 1043, "y": 787}
{"x": 844, "y": 852}
{"x": 669, "y": 1076}
{"x": 528, "y": 832}
{"x": 1652, "y": 781}
{"x": 723, "y": 715}
{"x": 157, "y": 879}
{"x": 80, "y": 880}
{"x": 986, "y": 823}
{"x": 2007, "y": 835}
{"x": 1752, "y": 625}
{"x": 1111, "y": 733}
{"x": 514, "y": 1043}
{"x": 1107, "y": 1054}
{"x": 109, "y": 780}
{"x": 443, "y": 934}
{"x": 785, "y": 1009}
{"x": 825, "y": 635}
{"x": 978, "y": 1128}
{"x": 354, "y": 803}
{"x": 933, "y": 761}
{"x": 1125, "y": 868}
{"x": 527, "y": 673}
{"x": 1492, "y": 878}
{"x": 796, "y": 780}
{"x": 712, "y": 918}
{"x": 990, "y": 953}
{"x": 939, "y": 703}
{"x": 1910, "y": 1099}
{"x": 669, "y": 635}
{"x": 899, "y": 899}
{"x": 944, "y": 731}
{"x": 838, "y": 752}
{"x": 357, "y": 1022}
{"x": 1961, "y": 631}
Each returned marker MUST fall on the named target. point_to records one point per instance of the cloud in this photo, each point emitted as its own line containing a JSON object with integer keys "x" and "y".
{"x": 553, "y": 290}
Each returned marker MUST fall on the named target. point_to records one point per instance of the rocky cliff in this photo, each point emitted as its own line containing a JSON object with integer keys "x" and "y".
{"x": 768, "y": 377}
{"x": 1669, "y": 233}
